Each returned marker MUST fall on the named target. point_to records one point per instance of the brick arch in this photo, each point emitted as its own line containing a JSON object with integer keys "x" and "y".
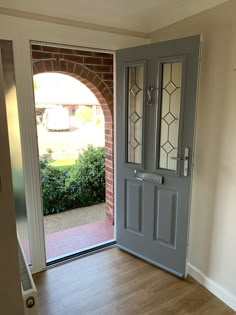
{"x": 104, "y": 94}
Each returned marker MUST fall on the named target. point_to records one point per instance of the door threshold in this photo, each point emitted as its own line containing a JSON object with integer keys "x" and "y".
{"x": 76, "y": 255}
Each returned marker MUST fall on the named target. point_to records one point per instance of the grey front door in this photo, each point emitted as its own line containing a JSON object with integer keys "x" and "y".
{"x": 156, "y": 98}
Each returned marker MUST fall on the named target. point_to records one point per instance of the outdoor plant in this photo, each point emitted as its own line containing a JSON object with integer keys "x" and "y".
{"x": 87, "y": 177}
{"x": 80, "y": 185}
{"x": 52, "y": 188}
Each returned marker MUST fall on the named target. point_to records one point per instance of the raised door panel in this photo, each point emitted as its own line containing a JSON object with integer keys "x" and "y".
{"x": 133, "y": 206}
{"x": 165, "y": 213}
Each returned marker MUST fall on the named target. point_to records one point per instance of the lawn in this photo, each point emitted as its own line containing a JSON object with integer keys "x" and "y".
{"x": 63, "y": 162}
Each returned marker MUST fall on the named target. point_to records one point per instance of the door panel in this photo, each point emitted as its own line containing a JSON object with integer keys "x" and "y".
{"x": 165, "y": 216}
{"x": 133, "y": 206}
{"x": 156, "y": 97}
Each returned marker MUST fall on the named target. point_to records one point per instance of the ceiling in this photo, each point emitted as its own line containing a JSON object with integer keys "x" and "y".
{"x": 131, "y": 15}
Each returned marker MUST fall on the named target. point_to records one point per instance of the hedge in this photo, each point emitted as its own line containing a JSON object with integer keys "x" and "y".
{"x": 80, "y": 185}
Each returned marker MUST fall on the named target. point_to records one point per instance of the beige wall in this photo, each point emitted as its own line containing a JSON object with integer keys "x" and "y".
{"x": 212, "y": 249}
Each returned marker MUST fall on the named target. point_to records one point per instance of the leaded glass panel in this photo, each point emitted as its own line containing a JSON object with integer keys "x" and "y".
{"x": 170, "y": 115}
{"x": 135, "y": 113}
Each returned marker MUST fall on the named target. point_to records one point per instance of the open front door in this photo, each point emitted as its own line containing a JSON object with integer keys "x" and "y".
{"x": 156, "y": 98}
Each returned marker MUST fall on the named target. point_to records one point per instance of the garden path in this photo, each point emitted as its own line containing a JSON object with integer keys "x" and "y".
{"x": 73, "y": 218}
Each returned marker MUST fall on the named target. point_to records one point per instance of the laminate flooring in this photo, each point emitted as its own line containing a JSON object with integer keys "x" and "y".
{"x": 113, "y": 282}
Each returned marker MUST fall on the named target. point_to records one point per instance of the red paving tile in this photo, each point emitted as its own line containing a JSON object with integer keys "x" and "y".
{"x": 78, "y": 238}
{"x": 75, "y": 239}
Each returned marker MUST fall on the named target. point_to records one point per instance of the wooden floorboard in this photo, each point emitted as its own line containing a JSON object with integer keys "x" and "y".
{"x": 114, "y": 282}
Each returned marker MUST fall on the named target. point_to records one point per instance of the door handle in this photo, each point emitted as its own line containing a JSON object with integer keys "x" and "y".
{"x": 177, "y": 158}
{"x": 150, "y": 90}
{"x": 185, "y": 158}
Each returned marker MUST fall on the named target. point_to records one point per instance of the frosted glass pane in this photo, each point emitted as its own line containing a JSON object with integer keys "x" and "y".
{"x": 15, "y": 149}
{"x": 135, "y": 114}
{"x": 166, "y": 74}
{"x": 176, "y": 73}
{"x": 165, "y": 103}
{"x": 170, "y": 113}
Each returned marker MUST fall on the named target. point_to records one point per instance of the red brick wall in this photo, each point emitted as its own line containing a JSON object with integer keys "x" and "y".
{"x": 95, "y": 70}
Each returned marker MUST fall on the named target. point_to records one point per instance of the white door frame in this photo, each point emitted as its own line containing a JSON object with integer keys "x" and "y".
{"x": 21, "y": 31}
{"x": 32, "y": 173}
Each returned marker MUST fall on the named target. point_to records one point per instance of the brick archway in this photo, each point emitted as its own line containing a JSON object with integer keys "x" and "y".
{"x": 81, "y": 66}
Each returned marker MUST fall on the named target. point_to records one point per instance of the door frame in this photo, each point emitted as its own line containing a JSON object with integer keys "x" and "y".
{"x": 28, "y": 129}
{"x": 32, "y": 171}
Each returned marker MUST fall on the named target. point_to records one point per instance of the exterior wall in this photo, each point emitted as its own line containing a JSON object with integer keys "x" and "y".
{"x": 95, "y": 70}
{"x": 212, "y": 254}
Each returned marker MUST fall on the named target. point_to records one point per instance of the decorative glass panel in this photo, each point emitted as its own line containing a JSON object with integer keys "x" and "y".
{"x": 170, "y": 114}
{"x": 135, "y": 113}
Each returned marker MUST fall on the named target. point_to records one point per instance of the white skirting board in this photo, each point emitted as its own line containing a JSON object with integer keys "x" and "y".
{"x": 224, "y": 295}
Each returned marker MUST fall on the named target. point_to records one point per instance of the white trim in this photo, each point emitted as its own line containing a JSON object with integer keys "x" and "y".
{"x": 36, "y": 224}
{"x": 73, "y": 23}
{"x": 219, "y": 291}
{"x": 193, "y": 151}
{"x": 114, "y": 146}
{"x": 74, "y": 47}
{"x": 24, "y": 83}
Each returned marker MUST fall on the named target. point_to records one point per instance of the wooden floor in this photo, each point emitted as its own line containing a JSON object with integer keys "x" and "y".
{"x": 114, "y": 282}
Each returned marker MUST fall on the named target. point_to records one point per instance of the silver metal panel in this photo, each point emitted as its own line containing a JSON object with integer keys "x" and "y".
{"x": 133, "y": 206}
{"x": 149, "y": 177}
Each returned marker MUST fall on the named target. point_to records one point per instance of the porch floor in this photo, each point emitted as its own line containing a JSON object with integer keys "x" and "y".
{"x": 72, "y": 231}
{"x": 75, "y": 239}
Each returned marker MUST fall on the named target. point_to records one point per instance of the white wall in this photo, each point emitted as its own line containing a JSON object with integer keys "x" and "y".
{"x": 212, "y": 250}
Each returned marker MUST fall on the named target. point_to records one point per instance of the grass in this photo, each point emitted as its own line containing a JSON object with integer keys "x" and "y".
{"x": 63, "y": 162}
{"x": 65, "y": 167}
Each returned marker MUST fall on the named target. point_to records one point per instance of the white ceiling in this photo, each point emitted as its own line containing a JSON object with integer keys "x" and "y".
{"x": 134, "y": 15}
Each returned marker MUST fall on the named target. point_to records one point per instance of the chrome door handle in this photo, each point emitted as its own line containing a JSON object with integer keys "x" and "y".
{"x": 185, "y": 159}
{"x": 150, "y": 90}
{"x": 177, "y": 158}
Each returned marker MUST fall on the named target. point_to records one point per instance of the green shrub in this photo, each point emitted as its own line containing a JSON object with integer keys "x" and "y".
{"x": 52, "y": 188}
{"x": 87, "y": 178}
{"x": 80, "y": 185}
